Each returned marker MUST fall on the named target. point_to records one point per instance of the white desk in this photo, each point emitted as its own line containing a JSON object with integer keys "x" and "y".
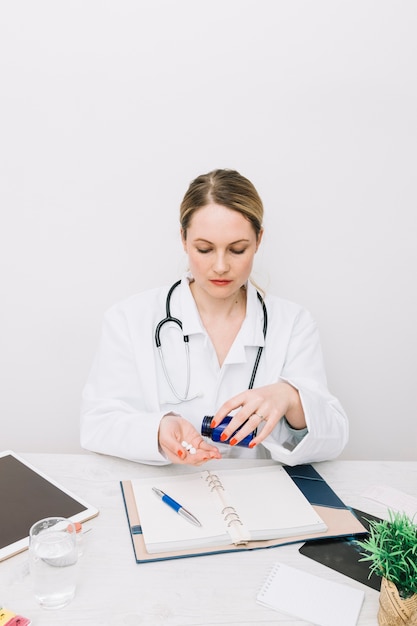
{"x": 202, "y": 591}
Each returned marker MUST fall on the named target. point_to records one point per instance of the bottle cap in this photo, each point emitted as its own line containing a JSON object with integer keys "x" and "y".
{"x": 206, "y": 429}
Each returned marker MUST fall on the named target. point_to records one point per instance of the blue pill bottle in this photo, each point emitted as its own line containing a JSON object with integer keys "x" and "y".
{"x": 215, "y": 433}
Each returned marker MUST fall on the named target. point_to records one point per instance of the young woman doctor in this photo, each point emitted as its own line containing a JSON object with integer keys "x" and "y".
{"x": 212, "y": 345}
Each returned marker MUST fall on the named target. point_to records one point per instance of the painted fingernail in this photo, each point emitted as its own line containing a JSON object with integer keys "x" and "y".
{"x": 233, "y": 441}
{"x": 180, "y": 453}
{"x": 252, "y": 444}
{"x": 223, "y": 437}
{"x": 213, "y": 424}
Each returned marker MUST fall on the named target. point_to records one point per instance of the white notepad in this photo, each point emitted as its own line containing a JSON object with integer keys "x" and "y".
{"x": 311, "y": 598}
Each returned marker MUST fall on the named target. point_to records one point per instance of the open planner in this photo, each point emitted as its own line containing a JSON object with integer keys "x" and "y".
{"x": 243, "y": 508}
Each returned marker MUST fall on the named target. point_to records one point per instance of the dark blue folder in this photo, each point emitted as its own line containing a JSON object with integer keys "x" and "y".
{"x": 314, "y": 487}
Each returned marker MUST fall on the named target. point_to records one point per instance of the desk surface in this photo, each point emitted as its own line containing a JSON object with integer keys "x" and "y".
{"x": 201, "y": 591}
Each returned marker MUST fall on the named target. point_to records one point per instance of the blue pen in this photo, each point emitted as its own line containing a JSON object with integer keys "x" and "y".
{"x": 176, "y": 506}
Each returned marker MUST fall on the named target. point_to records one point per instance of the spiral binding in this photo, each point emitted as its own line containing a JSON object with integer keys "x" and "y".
{"x": 268, "y": 581}
{"x": 230, "y": 515}
{"x": 214, "y": 482}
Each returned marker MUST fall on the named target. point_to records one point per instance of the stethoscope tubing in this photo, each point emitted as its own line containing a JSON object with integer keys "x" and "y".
{"x": 168, "y": 317}
{"x": 260, "y": 349}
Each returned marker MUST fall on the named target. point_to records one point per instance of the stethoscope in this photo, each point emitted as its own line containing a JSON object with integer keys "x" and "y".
{"x": 175, "y": 320}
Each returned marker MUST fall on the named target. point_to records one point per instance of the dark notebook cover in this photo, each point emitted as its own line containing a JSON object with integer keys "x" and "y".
{"x": 343, "y": 555}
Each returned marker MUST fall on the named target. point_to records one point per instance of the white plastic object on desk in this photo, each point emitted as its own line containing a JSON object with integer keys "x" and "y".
{"x": 79, "y": 533}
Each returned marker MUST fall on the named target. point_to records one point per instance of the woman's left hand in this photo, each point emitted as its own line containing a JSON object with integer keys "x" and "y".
{"x": 266, "y": 405}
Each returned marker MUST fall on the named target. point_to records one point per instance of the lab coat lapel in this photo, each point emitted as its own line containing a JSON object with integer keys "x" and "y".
{"x": 191, "y": 323}
{"x": 251, "y": 333}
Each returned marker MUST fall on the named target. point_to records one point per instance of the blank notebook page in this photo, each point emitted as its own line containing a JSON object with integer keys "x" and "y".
{"x": 310, "y": 597}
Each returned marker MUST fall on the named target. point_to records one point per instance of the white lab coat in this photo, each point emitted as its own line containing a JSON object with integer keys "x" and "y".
{"x": 127, "y": 394}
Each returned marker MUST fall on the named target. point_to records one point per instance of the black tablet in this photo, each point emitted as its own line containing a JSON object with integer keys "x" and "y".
{"x": 26, "y": 496}
{"x": 344, "y": 554}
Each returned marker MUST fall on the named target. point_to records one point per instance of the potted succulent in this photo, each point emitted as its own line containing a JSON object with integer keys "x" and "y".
{"x": 391, "y": 549}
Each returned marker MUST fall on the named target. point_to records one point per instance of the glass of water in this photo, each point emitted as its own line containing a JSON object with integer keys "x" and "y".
{"x": 53, "y": 555}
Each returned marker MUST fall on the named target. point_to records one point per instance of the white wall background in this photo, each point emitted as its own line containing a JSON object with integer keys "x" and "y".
{"x": 108, "y": 109}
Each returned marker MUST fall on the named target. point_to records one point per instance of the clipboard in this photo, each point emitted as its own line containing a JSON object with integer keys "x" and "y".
{"x": 339, "y": 519}
{"x": 28, "y": 495}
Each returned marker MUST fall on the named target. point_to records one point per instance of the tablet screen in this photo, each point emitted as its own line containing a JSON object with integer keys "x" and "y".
{"x": 26, "y": 496}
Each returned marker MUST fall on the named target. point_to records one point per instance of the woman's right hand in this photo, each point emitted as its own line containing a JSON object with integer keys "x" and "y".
{"x": 173, "y": 430}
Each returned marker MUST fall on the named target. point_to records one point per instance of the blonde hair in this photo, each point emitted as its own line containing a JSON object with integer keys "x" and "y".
{"x": 228, "y": 188}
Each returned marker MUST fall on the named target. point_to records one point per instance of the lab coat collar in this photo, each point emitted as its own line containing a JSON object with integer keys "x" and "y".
{"x": 250, "y": 334}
